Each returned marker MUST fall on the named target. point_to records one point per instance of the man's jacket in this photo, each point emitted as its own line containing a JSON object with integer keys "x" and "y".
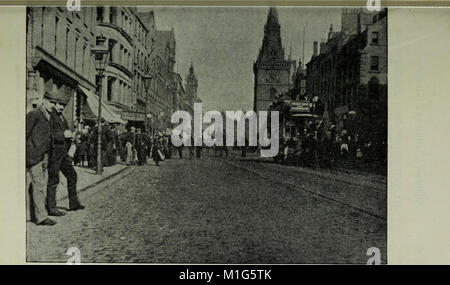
{"x": 38, "y": 136}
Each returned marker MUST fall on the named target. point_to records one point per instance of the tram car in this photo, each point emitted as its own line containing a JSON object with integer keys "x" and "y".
{"x": 296, "y": 117}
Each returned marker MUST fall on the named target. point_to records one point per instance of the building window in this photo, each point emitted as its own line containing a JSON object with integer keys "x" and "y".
{"x": 56, "y": 35}
{"x": 112, "y": 15}
{"x": 42, "y": 27}
{"x": 82, "y": 59}
{"x": 75, "y": 54}
{"x": 374, "y": 38}
{"x": 111, "y": 44}
{"x": 67, "y": 43}
{"x": 109, "y": 89}
{"x": 120, "y": 55}
{"x": 119, "y": 92}
{"x": 100, "y": 14}
{"x": 84, "y": 16}
{"x": 374, "y": 63}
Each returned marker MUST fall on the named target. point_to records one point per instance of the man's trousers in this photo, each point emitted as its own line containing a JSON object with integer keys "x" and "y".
{"x": 61, "y": 162}
{"x": 37, "y": 177}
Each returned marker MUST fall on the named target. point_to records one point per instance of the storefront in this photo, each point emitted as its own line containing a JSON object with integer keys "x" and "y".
{"x": 48, "y": 74}
{"x": 90, "y": 110}
{"x": 135, "y": 119}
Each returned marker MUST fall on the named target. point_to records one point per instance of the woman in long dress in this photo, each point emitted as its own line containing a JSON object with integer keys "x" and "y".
{"x": 156, "y": 151}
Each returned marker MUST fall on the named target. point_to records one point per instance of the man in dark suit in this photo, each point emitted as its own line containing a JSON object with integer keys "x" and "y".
{"x": 59, "y": 160}
{"x": 140, "y": 147}
{"x": 38, "y": 139}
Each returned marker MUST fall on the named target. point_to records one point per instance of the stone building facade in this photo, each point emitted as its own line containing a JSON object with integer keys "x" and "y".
{"x": 127, "y": 41}
{"x": 163, "y": 84}
{"x": 180, "y": 94}
{"x": 59, "y": 59}
{"x": 59, "y": 56}
{"x": 273, "y": 73}
{"x": 351, "y": 67}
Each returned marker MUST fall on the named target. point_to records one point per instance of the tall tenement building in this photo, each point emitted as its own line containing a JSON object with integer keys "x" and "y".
{"x": 126, "y": 36}
{"x": 273, "y": 73}
{"x": 59, "y": 56}
{"x": 349, "y": 73}
{"x": 59, "y": 59}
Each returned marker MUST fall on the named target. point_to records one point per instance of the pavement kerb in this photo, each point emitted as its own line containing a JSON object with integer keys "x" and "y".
{"x": 96, "y": 183}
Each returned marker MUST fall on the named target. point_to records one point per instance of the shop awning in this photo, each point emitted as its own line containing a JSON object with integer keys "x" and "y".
{"x": 91, "y": 109}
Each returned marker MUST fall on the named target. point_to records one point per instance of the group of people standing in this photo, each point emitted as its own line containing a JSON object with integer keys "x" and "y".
{"x": 319, "y": 146}
{"x": 131, "y": 147}
{"x": 49, "y": 150}
{"x": 135, "y": 147}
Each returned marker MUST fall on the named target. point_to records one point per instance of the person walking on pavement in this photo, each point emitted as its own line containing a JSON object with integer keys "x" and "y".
{"x": 38, "y": 140}
{"x": 60, "y": 160}
{"x": 169, "y": 147}
{"x": 109, "y": 145}
{"x": 180, "y": 148}
{"x": 83, "y": 148}
{"x": 149, "y": 143}
{"x": 140, "y": 147}
{"x": 156, "y": 151}
{"x": 131, "y": 144}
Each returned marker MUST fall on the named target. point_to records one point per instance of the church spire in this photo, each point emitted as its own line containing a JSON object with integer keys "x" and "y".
{"x": 272, "y": 48}
{"x": 272, "y": 17}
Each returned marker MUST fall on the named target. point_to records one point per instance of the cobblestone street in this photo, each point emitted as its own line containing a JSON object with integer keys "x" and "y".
{"x": 218, "y": 210}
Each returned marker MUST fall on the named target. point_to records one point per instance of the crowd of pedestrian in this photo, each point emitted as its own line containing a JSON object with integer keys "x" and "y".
{"x": 325, "y": 147}
{"x": 130, "y": 147}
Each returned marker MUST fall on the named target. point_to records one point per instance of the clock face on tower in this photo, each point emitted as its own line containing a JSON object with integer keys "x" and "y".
{"x": 273, "y": 76}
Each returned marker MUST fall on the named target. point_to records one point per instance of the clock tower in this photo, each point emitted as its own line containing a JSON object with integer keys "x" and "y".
{"x": 272, "y": 72}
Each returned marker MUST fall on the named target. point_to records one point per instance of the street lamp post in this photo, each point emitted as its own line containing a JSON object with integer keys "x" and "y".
{"x": 100, "y": 52}
{"x": 147, "y": 81}
{"x": 135, "y": 107}
{"x": 173, "y": 91}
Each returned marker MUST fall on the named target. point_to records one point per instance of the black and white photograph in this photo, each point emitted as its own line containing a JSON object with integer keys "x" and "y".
{"x": 206, "y": 135}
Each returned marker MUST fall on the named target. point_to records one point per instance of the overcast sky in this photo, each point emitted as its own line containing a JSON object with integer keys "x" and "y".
{"x": 223, "y": 43}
